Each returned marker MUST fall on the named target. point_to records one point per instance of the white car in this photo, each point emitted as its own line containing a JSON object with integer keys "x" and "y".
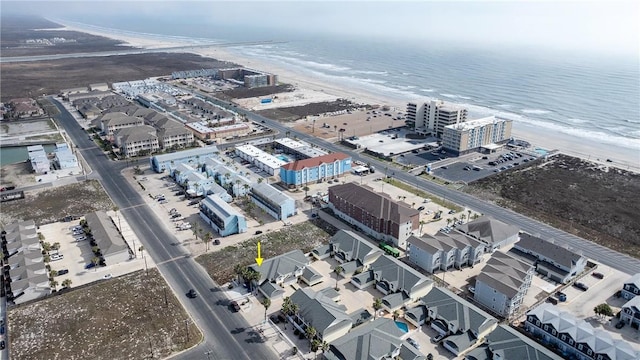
{"x": 107, "y": 276}
{"x": 55, "y": 257}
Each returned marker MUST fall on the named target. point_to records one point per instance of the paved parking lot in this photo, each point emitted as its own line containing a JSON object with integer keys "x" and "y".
{"x": 78, "y": 254}
{"x": 477, "y": 167}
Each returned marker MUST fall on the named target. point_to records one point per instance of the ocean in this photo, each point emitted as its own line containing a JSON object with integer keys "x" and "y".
{"x": 584, "y": 98}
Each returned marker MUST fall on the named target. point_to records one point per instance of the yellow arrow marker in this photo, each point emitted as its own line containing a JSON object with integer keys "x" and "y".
{"x": 259, "y": 258}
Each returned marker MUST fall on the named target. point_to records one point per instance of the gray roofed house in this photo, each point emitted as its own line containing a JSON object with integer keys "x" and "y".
{"x": 507, "y": 343}
{"x": 630, "y": 313}
{"x": 276, "y": 203}
{"x": 285, "y": 268}
{"x": 394, "y": 276}
{"x": 490, "y": 231}
{"x": 315, "y": 309}
{"x": 271, "y": 290}
{"x": 133, "y": 140}
{"x": 348, "y": 246}
{"x": 450, "y": 314}
{"x": 30, "y": 288}
{"x": 321, "y": 252}
{"x": 555, "y": 261}
{"x": 631, "y": 287}
{"x": 503, "y": 283}
{"x": 88, "y": 110}
{"x": 444, "y": 251}
{"x": 112, "y": 245}
{"x": 160, "y": 163}
{"x": 380, "y": 339}
{"x": 576, "y": 337}
{"x": 331, "y": 293}
{"x": 310, "y": 276}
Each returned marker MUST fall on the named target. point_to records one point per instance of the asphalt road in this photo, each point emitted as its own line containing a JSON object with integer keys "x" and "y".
{"x": 591, "y": 250}
{"x": 209, "y": 309}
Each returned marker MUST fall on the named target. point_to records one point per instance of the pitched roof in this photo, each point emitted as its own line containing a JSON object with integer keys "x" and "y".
{"x": 315, "y": 161}
{"x": 635, "y": 280}
{"x": 600, "y": 341}
{"x": 353, "y": 245}
{"x": 375, "y": 340}
{"x": 284, "y": 264}
{"x": 489, "y": 230}
{"x": 318, "y": 310}
{"x": 505, "y": 273}
{"x": 398, "y": 273}
{"x": 377, "y": 204}
{"x": 269, "y": 192}
{"x": 559, "y": 254}
{"x": 454, "y": 309}
{"x": 105, "y": 233}
{"x": 510, "y": 344}
{"x": 136, "y": 133}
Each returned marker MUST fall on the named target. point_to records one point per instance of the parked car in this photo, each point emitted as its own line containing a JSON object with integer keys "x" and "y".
{"x": 258, "y": 232}
{"x": 2, "y": 345}
{"x": 194, "y": 202}
{"x": 452, "y": 211}
{"x": 62, "y": 272}
{"x": 90, "y": 265}
{"x": 274, "y": 319}
{"x": 413, "y": 343}
{"x": 234, "y": 306}
{"x": 597, "y": 275}
{"x": 581, "y": 286}
{"x": 437, "y": 338}
{"x": 56, "y": 257}
{"x": 620, "y": 324}
{"x": 216, "y": 242}
{"x": 192, "y": 294}
{"x": 107, "y": 276}
{"x": 420, "y": 208}
{"x": 562, "y": 297}
{"x": 175, "y": 215}
{"x": 471, "y": 289}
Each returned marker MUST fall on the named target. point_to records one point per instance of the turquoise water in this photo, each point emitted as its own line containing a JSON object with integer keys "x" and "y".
{"x": 541, "y": 151}
{"x": 402, "y": 326}
{"x": 283, "y": 158}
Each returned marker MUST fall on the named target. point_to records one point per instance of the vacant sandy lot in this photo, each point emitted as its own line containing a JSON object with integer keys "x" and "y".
{"x": 354, "y": 124}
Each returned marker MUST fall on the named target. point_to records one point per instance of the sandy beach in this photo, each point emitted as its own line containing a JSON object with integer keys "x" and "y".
{"x": 622, "y": 157}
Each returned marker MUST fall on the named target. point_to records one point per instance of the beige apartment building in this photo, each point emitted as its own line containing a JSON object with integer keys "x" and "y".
{"x": 487, "y": 133}
{"x": 133, "y": 141}
{"x": 431, "y": 117}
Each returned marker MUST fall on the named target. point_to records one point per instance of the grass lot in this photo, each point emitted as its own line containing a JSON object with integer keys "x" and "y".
{"x": 304, "y": 236}
{"x": 593, "y": 201}
{"x": 423, "y": 194}
{"x": 122, "y": 318}
{"x": 51, "y": 204}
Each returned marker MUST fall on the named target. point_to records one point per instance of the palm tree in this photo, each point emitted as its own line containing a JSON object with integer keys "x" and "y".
{"x": 246, "y": 188}
{"x": 469, "y": 217}
{"x": 53, "y": 284}
{"x": 448, "y": 222}
{"x": 311, "y": 333}
{"x": 239, "y": 271}
{"x": 237, "y": 186}
{"x": 286, "y": 306}
{"x": 422, "y": 222}
{"x": 207, "y": 239}
{"x": 396, "y": 315}
{"x": 195, "y": 228}
{"x": 462, "y": 217}
{"x": 306, "y": 190}
{"x": 338, "y": 270}
{"x": 266, "y": 302}
{"x": 315, "y": 346}
{"x": 95, "y": 261}
{"x": 55, "y": 246}
{"x": 260, "y": 180}
{"x": 52, "y": 274}
{"x": 324, "y": 346}
{"x": 455, "y": 220}
{"x": 377, "y": 305}
{"x": 66, "y": 283}
{"x": 46, "y": 247}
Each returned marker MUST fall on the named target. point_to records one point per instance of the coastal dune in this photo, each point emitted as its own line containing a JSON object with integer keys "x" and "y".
{"x": 628, "y": 159}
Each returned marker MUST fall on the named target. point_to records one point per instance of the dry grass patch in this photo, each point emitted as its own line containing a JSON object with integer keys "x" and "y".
{"x": 304, "y": 236}
{"x": 51, "y": 204}
{"x": 122, "y": 318}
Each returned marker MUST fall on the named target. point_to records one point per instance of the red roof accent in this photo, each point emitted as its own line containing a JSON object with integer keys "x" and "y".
{"x": 316, "y": 161}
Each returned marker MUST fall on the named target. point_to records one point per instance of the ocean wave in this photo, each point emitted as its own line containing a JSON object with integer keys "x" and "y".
{"x": 367, "y": 72}
{"x": 307, "y": 63}
{"x": 427, "y": 90}
{"x": 578, "y": 121}
{"x": 535, "y": 111}
{"x": 504, "y": 106}
{"x": 450, "y": 96}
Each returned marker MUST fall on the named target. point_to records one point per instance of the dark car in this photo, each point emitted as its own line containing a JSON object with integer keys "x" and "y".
{"x": 619, "y": 325}
{"x": 176, "y": 215}
{"x": 597, "y": 275}
{"x": 274, "y": 319}
{"x": 562, "y": 297}
{"x": 2, "y": 345}
{"x": 581, "y": 286}
{"x": 193, "y": 202}
{"x": 62, "y": 272}
{"x": 421, "y": 208}
{"x": 192, "y": 294}
{"x": 258, "y": 232}
{"x": 90, "y": 266}
{"x": 216, "y": 242}
{"x": 234, "y": 306}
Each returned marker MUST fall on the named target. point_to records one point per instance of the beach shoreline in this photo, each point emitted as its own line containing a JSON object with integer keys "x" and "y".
{"x": 621, "y": 157}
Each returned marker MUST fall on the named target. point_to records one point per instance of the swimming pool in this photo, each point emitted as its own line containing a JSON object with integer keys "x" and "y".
{"x": 541, "y": 151}
{"x": 402, "y": 326}
{"x": 283, "y": 158}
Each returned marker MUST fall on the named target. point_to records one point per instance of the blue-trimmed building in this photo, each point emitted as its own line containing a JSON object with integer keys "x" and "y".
{"x": 193, "y": 157}
{"x": 317, "y": 169}
{"x": 223, "y": 218}
{"x": 273, "y": 201}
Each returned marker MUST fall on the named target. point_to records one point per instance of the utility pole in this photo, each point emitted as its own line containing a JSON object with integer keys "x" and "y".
{"x": 166, "y": 302}
{"x": 186, "y": 326}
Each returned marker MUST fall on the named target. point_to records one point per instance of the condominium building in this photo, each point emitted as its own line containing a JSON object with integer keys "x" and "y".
{"x": 263, "y": 160}
{"x": 430, "y": 118}
{"x": 112, "y": 122}
{"x": 274, "y": 202}
{"x": 317, "y": 169}
{"x": 160, "y": 163}
{"x": 374, "y": 213}
{"x": 444, "y": 251}
{"x": 137, "y": 140}
{"x": 473, "y": 135}
{"x": 223, "y": 218}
